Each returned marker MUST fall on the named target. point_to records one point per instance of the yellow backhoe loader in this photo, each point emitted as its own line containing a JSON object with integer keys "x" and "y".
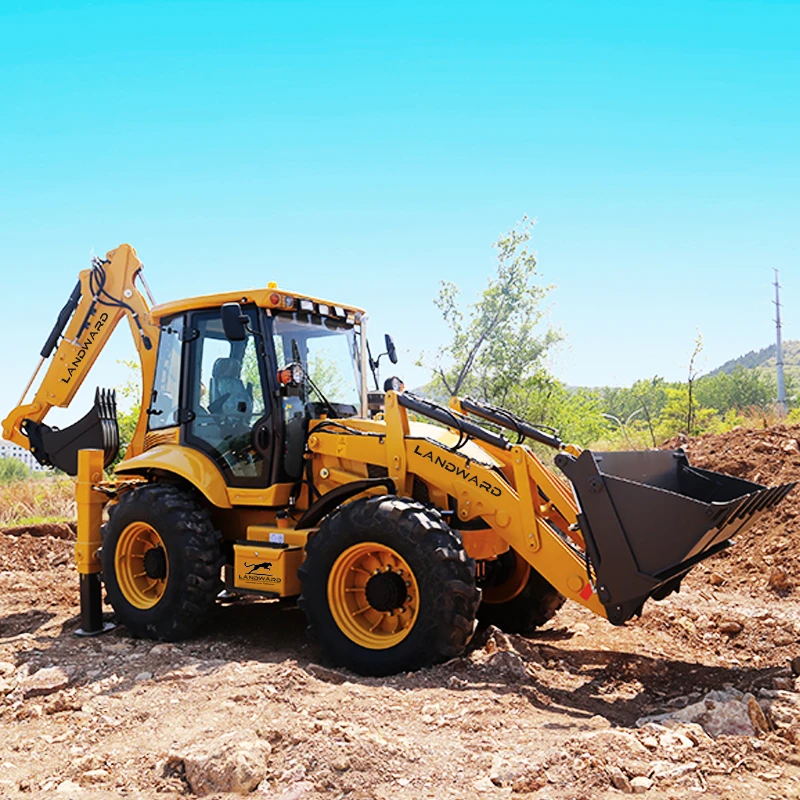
{"x": 262, "y": 463}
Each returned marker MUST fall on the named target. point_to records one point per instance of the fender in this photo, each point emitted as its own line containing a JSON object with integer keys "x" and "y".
{"x": 192, "y": 465}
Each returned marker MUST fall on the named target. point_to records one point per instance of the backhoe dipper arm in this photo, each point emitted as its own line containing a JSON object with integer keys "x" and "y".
{"x": 103, "y": 295}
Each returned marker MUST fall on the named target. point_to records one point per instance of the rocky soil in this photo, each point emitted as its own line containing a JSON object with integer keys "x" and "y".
{"x": 698, "y": 698}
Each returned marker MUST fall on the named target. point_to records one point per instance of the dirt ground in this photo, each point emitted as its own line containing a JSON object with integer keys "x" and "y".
{"x": 553, "y": 716}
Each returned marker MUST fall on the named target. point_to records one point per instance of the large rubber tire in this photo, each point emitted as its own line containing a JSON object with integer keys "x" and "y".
{"x": 384, "y": 543}
{"x": 164, "y": 528}
{"x": 534, "y": 605}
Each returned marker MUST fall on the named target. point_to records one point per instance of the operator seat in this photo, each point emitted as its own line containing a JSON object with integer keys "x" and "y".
{"x": 227, "y": 393}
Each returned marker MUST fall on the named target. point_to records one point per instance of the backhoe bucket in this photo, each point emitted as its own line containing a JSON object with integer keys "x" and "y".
{"x": 98, "y": 430}
{"x": 649, "y": 517}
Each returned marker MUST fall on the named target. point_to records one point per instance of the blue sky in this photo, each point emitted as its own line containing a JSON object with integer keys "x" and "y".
{"x": 365, "y": 151}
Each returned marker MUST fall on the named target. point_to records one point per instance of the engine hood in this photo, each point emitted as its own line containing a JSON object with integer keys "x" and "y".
{"x": 472, "y": 450}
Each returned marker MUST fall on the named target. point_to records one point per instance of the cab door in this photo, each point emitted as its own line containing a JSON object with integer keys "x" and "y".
{"x": 228, "y": 412}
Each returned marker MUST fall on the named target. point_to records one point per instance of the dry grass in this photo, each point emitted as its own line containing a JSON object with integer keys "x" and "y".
{"x": 50, "y": 499}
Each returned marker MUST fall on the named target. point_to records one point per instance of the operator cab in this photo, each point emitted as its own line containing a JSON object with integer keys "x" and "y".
{"x": 241, "y": 382}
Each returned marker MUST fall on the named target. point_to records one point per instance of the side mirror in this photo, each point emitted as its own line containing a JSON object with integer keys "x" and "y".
{"x": 234, "y": 323}
{"x": 390, "y": 349}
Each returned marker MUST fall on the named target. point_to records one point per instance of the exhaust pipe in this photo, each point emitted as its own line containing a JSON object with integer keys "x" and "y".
{"x": 98, "y": 430}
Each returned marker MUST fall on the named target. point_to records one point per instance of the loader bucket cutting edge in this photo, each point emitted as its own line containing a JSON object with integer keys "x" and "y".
{"x": 98, "y": 429}
{"x": 649, "y": 517}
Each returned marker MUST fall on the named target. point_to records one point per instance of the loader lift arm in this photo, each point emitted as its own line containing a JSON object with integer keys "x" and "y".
{"x": 104, "y": 294}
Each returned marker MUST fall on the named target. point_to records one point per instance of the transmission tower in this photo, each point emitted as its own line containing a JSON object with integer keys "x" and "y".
{"x": 779, "y": 347}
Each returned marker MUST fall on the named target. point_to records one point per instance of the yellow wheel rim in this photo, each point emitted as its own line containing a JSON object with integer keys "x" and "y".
{"x": 142, "y": 572}
{"x": 373, "y": 595}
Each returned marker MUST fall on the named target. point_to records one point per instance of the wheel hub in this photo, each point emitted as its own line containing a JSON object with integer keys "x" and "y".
{"x": 373, "y": 595}
{"x": 386, "y": 591}
{"x": 141, "y": 565}
{"x": 155, "y": 563}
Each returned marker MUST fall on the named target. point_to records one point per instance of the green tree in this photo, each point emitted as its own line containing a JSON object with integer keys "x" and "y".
{"x": 12, "y": 469}
{"x": 740, "y": 389}
{"x": 130, "y": 393}
{"x": 500, "y": 341}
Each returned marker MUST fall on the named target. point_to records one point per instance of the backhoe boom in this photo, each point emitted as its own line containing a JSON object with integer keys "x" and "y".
{"x": 105, "y": 294}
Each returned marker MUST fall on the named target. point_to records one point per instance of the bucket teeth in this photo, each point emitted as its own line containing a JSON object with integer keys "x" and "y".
{"x": 648, "y": 517}
{"x": 97, "y": 430}
{"x": 106, "y": 404}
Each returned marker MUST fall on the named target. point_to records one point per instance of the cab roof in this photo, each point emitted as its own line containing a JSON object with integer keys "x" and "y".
{"x": 271, "y": 297}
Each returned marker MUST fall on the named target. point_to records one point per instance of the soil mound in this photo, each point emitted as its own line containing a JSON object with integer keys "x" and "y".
{"x": 765, "y": 558}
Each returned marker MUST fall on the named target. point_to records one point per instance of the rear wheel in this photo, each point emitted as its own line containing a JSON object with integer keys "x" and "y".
{"x": 387, "y": 586}
{"x": 161, "y": 562}
{"x": 522, "y": 602}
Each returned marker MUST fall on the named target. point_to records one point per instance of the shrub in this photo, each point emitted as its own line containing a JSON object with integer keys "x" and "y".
{"x": 12, "y": 469}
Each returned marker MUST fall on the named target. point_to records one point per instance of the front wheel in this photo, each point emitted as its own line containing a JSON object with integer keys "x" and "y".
{"x": 387, "y": 587}
{"x": 161, "y": 562}
{"x": 522, "y": 602}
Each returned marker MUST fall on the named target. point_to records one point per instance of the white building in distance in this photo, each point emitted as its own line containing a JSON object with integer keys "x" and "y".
{"x": 11, "y": 450}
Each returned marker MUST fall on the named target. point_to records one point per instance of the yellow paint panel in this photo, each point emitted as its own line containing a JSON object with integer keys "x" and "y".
{"x": 261, "y": 568}
{"x": 276, "y": 495}
{"x": 190, "y": 464}
{"x": 260, "y": 297}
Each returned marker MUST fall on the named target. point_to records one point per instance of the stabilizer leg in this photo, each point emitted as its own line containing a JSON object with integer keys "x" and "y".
{"x": 90, "y": 516}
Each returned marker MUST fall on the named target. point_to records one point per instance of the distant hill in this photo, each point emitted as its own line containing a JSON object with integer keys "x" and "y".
{"x": 765, "y": 360}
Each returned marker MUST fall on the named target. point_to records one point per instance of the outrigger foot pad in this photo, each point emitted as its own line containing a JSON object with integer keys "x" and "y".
{"x": 98, "y": 430}
{"x": 92, "y": 622}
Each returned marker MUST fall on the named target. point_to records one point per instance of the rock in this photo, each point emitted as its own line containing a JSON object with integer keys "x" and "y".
{"x": 730, "y": 626}
{"x": 580, "y": 628}
{"x": 293, "y": 775}
{"x": 506, "y": 773}
{"x": 295, "y": 792}
{"x": 674, "y": 739}
{"x": 641, "y": 784}
{"x": 782, "y": 709}
{"x": 45, "y": 681}
{"x": 783, "y": 683}
{"x": 143, "y": 676}
{"x": 7, "y": 669}
{"x": 619, "y": 780}
{"x": 95, "y": 775}
{"x": 665, "y": 770}
{"x": 615, "y": 744}
{"x": 229, "y": 763}
{"x": 694, "y": 732}
{"x": 508, "y": 663}
{"x": 725, "y": 712}
{"x": 795, "y": 665}
{"x": 163, "y": 649}
{"x": 69, "y": 787}
{"x": 715, "y": 579}
{"x": 484, "y": 785}
{"x": 779, "y": 581}
{"x": 5, "y": 686}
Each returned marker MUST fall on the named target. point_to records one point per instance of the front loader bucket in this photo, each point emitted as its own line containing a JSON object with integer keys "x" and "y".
{"x": 98, "y": 430}
{"x": 649, "y": 517}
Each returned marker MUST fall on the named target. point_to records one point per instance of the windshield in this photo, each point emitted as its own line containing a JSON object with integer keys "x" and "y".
{"x": 329, "y": 352}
